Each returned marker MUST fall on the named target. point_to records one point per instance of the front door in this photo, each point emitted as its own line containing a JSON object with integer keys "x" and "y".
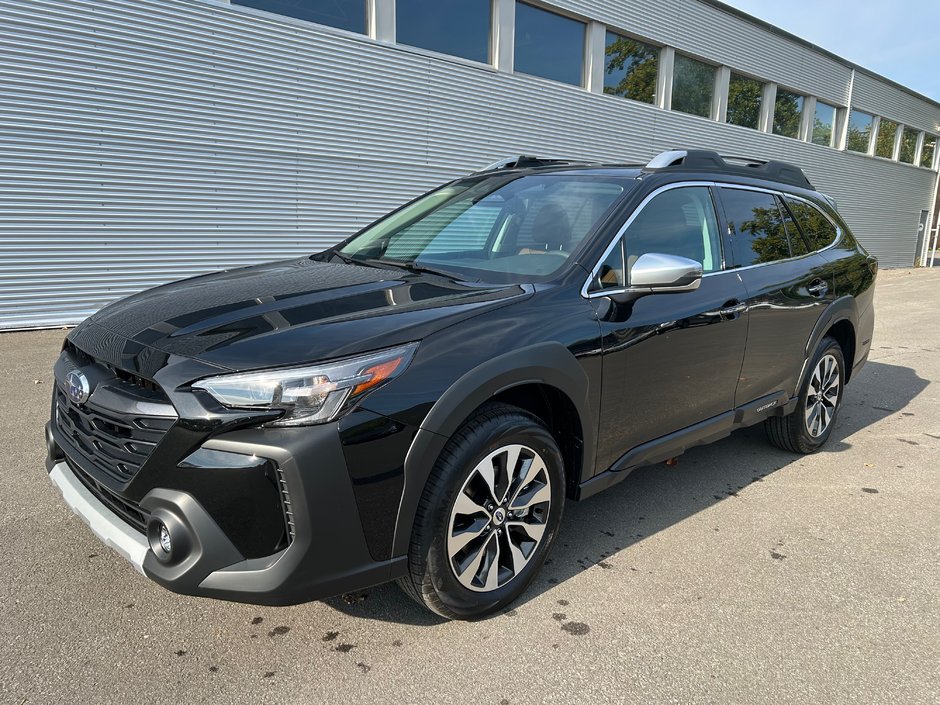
{"x": 671, "y": 360}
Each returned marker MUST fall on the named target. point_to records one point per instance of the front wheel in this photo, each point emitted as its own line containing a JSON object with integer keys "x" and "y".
{"x": 488, "y": 515}
{"x": 809, "y": 426}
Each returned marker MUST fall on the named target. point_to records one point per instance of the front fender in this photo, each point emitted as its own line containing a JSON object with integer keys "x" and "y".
{"x": 548, "y": 363}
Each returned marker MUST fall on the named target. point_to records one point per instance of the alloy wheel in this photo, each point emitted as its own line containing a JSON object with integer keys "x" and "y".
{"x": 499, "y": 518}
{"x": 822, "y": 396}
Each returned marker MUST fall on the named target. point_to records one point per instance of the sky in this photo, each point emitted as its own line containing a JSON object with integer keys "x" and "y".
{"x": 899, "y": 39}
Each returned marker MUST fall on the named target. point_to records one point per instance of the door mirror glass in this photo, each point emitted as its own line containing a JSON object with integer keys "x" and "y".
{"x": 661, "y": 272}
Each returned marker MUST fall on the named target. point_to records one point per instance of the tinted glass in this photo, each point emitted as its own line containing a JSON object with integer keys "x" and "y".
{"x": 549, "y": 45}
{"x": 859, "y": 137}
{"x": 631, "y": 68}
{"x": 884, "y": 143}
{"x": 788, "y": 113}
{"x": 818, "y": 229}
{"x": 744, "y": 101}
{"x": 798, "y": 245}
{"x": 345, "y": 14}
{"x": 926, "y": 155}
{"x": 757, "y": 231}
{"x": 678, "y": 222}
{"x": 823, "y": 124}
{"x": 693, "y": 85}
{"x": 908, "y": 145}
{"x": 504, "y": 228}
{"x": 457, "y": 27}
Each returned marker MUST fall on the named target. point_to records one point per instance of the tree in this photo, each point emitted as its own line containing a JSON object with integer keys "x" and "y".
{"x": 636, "y": 63}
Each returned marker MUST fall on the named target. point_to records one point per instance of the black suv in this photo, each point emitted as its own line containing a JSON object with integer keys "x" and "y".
{"x": 416, "y": 403}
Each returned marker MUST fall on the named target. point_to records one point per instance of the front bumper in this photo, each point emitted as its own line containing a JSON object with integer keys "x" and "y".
{"x": 329, "y": 554}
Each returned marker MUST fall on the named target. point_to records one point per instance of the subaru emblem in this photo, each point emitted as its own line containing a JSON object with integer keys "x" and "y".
{"x": 77, "y": 386}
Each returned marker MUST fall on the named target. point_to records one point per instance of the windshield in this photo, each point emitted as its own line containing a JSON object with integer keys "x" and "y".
{"x": 503, "y": 228}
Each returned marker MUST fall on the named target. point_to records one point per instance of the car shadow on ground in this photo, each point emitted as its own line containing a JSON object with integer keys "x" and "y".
{"x": 598, "y": 531}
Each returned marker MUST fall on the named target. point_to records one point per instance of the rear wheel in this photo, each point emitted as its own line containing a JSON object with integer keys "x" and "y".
{"x": 809, "y": 426}
{"x": 488, "y": 515}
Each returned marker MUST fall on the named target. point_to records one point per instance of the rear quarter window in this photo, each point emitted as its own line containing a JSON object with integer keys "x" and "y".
{"x": 816, "y": 226}
{"x": 758, "y": 234}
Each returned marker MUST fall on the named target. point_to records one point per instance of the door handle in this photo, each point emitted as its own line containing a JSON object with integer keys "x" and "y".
{"x": 729, "y": 311}
{"x": 818, "y": 288}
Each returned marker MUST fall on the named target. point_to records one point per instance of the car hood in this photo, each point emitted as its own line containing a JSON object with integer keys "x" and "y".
{"x": 285, "y": 313}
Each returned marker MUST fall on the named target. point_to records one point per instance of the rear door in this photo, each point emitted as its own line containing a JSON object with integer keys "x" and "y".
{"x": 788, "y": 287}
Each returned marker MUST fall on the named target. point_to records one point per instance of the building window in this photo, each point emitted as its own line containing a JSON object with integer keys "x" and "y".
{"x": 788, "y": 114}
{"x": 343, "y": 14}
{"x": 693, "y": 85}
{"x": 456, "y": 27}
{"x": 859, "y": 137}
{"x": 824, "y": 124}
{"x": 884, "y": 143}
{"x": 744, "y": 101}
{"x": 926, "y": 154}
{"x": 549, "y": 45}
{"x": 631, "y": 68}
{"x": 908, "y": 145}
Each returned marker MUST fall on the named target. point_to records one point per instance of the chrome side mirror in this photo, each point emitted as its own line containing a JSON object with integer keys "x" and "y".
{"x": 664, "y": 273}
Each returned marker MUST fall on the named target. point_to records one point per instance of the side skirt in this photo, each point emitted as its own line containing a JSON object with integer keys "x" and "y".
{"x": 676, "y": 443}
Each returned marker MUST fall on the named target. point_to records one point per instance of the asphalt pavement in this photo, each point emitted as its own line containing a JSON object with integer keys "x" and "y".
{"x": 743, "y": 575}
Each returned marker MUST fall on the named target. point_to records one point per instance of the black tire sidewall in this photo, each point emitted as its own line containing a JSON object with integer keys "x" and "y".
{"x": 828, "y": 346}
{"x": 506, "y": 429}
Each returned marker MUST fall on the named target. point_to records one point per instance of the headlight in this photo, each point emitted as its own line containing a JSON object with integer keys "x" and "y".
{"x": 312, "y": 394}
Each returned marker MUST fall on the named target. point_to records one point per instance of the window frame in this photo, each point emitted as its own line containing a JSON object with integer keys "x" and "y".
{"x": 588, "y": 290}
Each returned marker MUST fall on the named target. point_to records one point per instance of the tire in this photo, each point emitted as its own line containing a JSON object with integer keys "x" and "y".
{"x": 468, "y": 560}
{"x": 804, "y": 431}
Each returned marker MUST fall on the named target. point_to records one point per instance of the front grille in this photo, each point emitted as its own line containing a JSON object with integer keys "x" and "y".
{"x": 116, "y": 443}
{"x": 129, "y": 511}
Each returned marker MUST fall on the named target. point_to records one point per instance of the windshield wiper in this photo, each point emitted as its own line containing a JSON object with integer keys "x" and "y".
{"x": 418, "y": 268}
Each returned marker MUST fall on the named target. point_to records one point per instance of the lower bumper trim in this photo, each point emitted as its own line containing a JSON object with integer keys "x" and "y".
{"x": 104, "y": 524}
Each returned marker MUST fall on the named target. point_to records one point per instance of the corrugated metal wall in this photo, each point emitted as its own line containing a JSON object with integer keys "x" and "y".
{"x": 143, "y": 141}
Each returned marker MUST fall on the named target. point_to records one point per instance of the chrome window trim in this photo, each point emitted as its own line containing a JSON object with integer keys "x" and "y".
{"x": 718, "y": 184}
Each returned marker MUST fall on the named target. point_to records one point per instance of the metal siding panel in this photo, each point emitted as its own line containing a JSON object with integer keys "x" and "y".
{"x": 144, "y": 141}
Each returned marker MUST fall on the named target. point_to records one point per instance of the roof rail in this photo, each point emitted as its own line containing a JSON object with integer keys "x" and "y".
{"x": 707, "y": 160}
{"x": 526, "y": 161}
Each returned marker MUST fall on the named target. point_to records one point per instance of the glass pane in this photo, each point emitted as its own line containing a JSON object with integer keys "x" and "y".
{"x": 744, "y": 101}
{"x": 678, "y": 222}
{"x": 549, "y": 45}
{"x": 926, "y": 155}
{"x": 788, "y": 113}
{"x": 504, "y": 228}
{"x": 344, "y": 14}
{"x": 757, "y": 231}
{"x": 859, "y": 137}
{"x": 823, "y": 124}
{"x": 884, "y": 144}
{"x": 908, "y": 145}
{"x": 631, "y": 68}
{"x": 457, "y": 27}
{"x": 797, "y": 243}
{"x": 818, "y": 229}
{"x": 693, "y": 84}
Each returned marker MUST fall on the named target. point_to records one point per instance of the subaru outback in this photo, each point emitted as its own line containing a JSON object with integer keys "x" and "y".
{"x": 418, "y": 402}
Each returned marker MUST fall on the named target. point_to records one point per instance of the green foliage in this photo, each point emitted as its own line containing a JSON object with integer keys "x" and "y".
{"x": 744, "y": 101}
{"x": 631, "y": 68}
{"x": 788, "y": 113}
{"x": 884, "y": 144}
{"x": 768, "y": 235}
{"x": 693, "y": 84}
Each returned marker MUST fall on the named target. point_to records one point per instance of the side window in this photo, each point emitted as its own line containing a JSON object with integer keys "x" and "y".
{"x": 798, "y": 245}
{"x": 756, "y": 224}
{"x": 818, "y": 229}
{"x": 679, "y": 222}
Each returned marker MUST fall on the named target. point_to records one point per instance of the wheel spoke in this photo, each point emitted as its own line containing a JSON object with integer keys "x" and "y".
{"x": 492, "y": 570}
{"x": 464, "y": 506}
{"x": 518, "y": 558}
{"x": 458, "y": 541}
{"x": 470, "y": 570}
{"x": 535, "y": 531}
{"x": 487, "y": 470}
{"x": 535, "y": 494}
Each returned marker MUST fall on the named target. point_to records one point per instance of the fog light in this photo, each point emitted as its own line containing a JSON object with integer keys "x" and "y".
{"x": 165, "y": 543}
